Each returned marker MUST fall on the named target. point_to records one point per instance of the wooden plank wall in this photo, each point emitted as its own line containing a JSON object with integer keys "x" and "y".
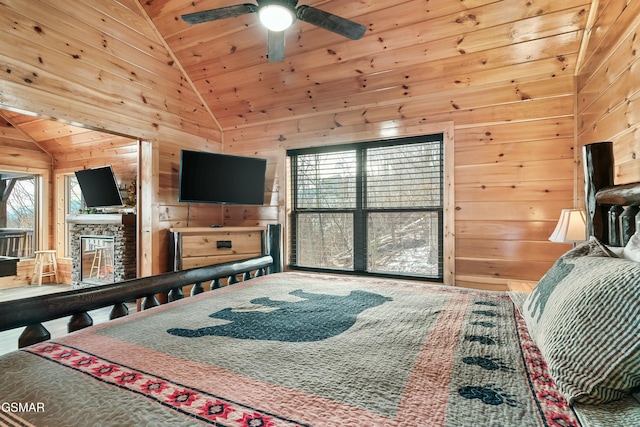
{"x": 103, "y": 65}
{"x": 609, "y": 87}
{"x": 513, "y": 168}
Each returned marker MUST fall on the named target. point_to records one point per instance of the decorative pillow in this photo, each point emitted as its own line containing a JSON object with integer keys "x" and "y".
{"x": 558, "y": 271}
{"x": 592, "y": 247}
{"x": 631, "y": 250}
{"x": 584, "y": 315}
{"x": 617, "y": 250}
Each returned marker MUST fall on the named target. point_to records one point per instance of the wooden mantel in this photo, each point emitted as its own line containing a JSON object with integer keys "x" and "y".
{"x": 110, "y": 218}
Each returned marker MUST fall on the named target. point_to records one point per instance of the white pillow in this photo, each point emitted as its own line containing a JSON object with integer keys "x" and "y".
{"x": 617, "y": 250}
{"x": 632, "y": 248}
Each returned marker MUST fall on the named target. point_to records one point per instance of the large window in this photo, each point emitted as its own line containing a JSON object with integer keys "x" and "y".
{"x": 74, "y": 205}
{"x": 373, "y": 207}
{"x": 18, "y": 213}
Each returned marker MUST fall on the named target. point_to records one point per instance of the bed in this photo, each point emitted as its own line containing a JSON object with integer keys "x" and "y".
{"x": 304, "y": 349}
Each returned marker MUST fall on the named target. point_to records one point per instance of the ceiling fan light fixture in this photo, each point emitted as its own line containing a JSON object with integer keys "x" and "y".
{"x": 276, "y": 17}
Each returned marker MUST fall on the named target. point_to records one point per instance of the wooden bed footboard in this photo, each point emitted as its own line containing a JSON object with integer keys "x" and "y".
{"x": 31, "y": 312}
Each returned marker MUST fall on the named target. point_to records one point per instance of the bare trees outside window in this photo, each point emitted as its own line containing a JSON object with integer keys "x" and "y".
{"x": 373, "y": 207}
{"x": 21, "y": 203}
{"x": 18, "y": 213}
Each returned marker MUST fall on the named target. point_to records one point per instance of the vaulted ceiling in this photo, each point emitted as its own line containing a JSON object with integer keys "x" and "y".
{"x": 410, "y": 49}
{"x": 429, "y": 50}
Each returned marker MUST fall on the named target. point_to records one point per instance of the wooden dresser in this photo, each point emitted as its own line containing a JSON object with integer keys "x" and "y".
{"x": 200, "y": 246}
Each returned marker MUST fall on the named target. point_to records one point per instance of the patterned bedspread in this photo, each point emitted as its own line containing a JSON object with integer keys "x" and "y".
{"x": 294, "y": 349}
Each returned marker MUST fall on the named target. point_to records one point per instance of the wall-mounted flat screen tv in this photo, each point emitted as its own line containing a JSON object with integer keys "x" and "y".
{"x": 99, "y": 187}
{"x": 221, "y": 178}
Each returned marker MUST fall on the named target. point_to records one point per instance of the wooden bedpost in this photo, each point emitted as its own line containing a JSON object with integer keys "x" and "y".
{"x": 274, "y": 248}
{"x": 598, "y": 173}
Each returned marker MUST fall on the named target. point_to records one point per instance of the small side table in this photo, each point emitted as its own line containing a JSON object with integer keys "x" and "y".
{"x": 525, "y": 286}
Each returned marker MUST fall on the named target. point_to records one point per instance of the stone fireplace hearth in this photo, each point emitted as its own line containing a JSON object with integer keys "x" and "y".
{"x": 103, "y": 248}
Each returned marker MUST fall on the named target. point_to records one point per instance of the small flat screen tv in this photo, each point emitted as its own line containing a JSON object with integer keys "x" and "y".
{"x": 221, "y": 178}
{"x": 99, "y": 187}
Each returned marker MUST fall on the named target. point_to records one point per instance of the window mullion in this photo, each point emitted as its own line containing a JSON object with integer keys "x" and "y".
{"x": 294, "y": 214}
{"x": 360, "y": 220}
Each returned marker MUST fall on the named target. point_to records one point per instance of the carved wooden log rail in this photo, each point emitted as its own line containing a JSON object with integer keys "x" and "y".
{"x": 31, "y": 312}
{"x": 622, "y": 222}
{"x": 604, "y": 202}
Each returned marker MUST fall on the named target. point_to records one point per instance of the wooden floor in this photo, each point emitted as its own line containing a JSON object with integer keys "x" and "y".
{"x": 57, "y": 328}
{"x": 31, "y": 291}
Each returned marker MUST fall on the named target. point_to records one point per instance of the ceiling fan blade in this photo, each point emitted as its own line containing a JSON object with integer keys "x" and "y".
{"x": 275, "y": 52}
{"x": 331, "y": 22}
{"x": 221, "y": 13}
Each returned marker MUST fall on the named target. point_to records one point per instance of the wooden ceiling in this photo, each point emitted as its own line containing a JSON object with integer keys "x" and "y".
{"x": 411, "y": 49}
{"x": 414, "y": 50}
{"x": 65, "y": 144}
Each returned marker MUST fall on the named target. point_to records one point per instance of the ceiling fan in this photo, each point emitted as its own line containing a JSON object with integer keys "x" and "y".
{"x": 277, "y": 16}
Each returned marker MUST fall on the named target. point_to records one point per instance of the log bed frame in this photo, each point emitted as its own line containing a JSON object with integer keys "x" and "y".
{"x": 31, "y": 312}
{"x": 611, "y": 210}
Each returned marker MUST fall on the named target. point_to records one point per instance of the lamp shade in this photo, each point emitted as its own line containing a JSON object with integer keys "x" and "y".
{"x": 571, "y": 227}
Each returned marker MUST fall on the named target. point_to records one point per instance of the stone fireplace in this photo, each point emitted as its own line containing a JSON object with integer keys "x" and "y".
{"x": 103, "y": 248}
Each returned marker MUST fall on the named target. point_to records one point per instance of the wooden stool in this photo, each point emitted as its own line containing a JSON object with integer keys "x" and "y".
{"x": 45, "y": 265}
{"x": 102, "y": 262}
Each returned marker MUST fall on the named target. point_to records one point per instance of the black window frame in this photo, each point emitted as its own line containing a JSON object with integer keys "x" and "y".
{"x": 361, "y": 211}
